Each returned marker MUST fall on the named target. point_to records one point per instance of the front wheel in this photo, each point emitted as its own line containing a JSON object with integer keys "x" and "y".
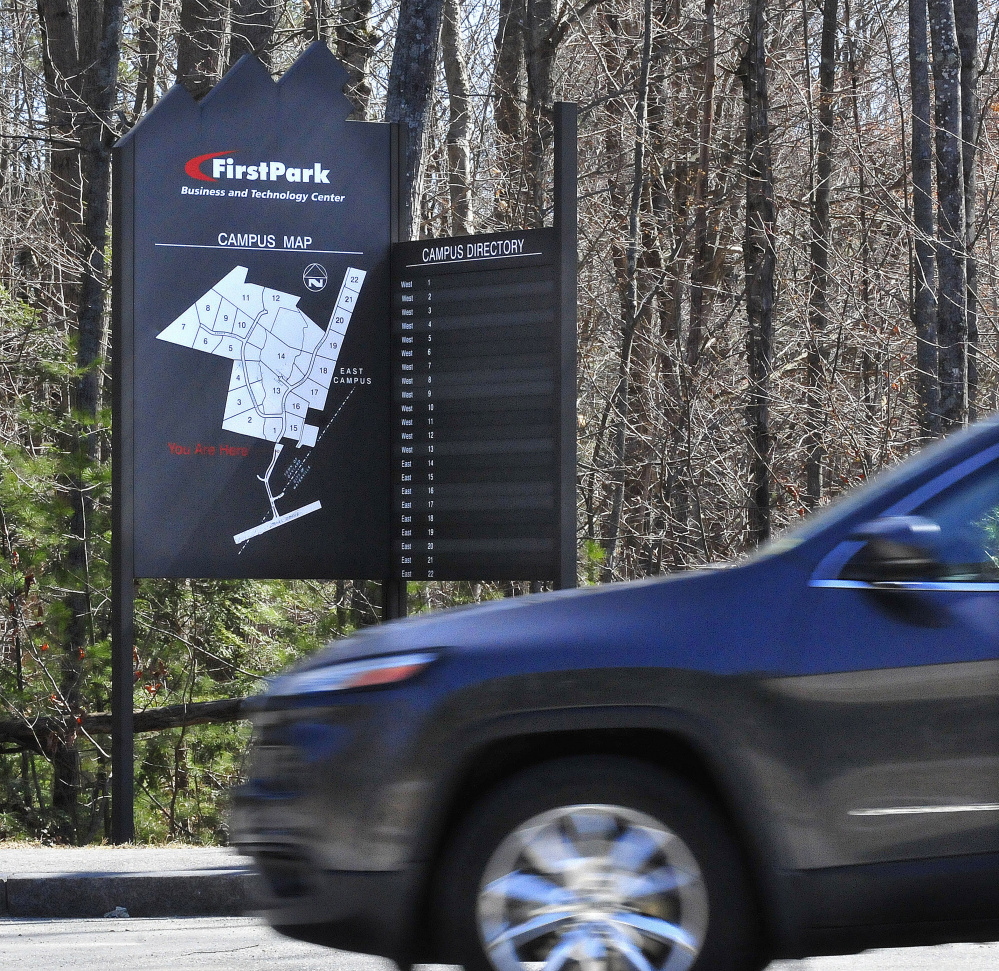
{"x": 595, "y": 864}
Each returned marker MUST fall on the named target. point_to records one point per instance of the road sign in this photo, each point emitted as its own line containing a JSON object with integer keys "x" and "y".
{"x": 254, "y": 311}
{"x": 262, "y": 380}
{"x": 478, "y": 405}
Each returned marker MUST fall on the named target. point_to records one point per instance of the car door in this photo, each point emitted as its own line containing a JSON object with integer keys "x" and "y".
{"x": 900, "y": 751}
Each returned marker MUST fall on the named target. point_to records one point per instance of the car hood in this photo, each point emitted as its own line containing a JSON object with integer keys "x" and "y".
{"x": 702, "y": 618}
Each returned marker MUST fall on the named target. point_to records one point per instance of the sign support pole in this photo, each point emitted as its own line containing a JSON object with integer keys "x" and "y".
{"x": 566, "y": 181}
{"x": 395, "y": 600}
{"x": 122, "y": 513}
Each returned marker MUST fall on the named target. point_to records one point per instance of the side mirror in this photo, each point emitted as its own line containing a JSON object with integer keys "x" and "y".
{"x": 896, "y": 549}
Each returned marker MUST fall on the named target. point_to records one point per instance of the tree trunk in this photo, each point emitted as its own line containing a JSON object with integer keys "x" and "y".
{"x": 149, "y": 53}
{"x": 966, "y": 22}
{"x": 85, "y": 51}
{"x": 952, "y": 281}
{"x": 355, "y": 46}
{"x": 97, "y": 136}
{"x": 539, "y": 58}
{"x": 701, "y": 257}
{"x": 459, "y": 156}
{"x": 509, "y": 96}
{"x": 318, "y": 21}
{"x": 760, "y": 259}
{"x": 200, "y": 43}
{"x": 96, "y": 139}
{"x": 61, "y": 67}
{"x": 818, "y": 295}
{"x": 60, "y": 60}
{"x": 631, "y": 302}
{"x": 681, "y": 127}
{"x": 251, "y": 26}
{"x": 410, "y": 89}
{"x": 923, "y": 303}
{"x": 39, "y": 735}
{"x": 509, "y": 92}
{"x": 872, "y": 366}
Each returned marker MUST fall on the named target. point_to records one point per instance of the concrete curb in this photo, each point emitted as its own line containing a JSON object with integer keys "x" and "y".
{"x": 214, "y": 893}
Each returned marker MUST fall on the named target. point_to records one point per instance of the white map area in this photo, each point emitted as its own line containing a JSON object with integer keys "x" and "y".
{"x": 283, "y": 363}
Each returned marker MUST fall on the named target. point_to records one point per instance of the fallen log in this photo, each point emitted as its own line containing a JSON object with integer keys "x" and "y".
{"x": 46, "y": 734}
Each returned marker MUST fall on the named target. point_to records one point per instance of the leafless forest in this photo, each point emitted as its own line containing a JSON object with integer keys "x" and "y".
{"x": 786, "y": 283}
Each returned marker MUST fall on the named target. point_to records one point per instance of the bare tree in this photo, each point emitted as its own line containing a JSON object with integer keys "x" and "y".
{"x": 700, "y": 268}
{"x": 966, "y": 24}
{"x": 760, "y": 260}
{"x": 923, "y": 300}
{"x": 148, "y": 55}
{"x": 410, "y": 90}
{"x": 818, "y": 302}
{"x": 509, "y": 95}
{"x": 356, "y": 40}
{"x": 632, "y": 304}
{"x": 952, "y": 280}
{"x": 251, "y": 26}
{"x": 509, "y": 91}
{"x": 546, "y": 25}
{"x": 201, "y": 44}
{"x": 459, "y": 154}
{"x": 541, "y": 38}
{"x": 81, "y": 69}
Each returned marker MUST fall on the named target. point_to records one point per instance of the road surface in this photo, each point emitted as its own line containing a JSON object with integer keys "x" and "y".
{"x": 243, "y": 944}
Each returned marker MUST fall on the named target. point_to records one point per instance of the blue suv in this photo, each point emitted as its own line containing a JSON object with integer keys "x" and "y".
{"x": 796, "y": 755}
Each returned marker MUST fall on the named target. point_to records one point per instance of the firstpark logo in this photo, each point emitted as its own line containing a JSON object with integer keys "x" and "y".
{"x": 223, "y": 166}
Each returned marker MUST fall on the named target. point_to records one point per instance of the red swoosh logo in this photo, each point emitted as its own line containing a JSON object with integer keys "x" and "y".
{"x": 193, "y": 167}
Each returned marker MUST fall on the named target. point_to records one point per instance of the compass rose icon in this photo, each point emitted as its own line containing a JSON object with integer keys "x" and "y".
{"x": 315, "y": 277}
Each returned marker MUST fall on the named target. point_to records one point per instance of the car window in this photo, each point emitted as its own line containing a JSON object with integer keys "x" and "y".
{"x": 847, "y": 504}
{"x": 968, "y": 516}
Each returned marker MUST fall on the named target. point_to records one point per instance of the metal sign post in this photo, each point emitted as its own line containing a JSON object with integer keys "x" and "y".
{"x": 566, "y": 194}
{"x": 122, "y": 568}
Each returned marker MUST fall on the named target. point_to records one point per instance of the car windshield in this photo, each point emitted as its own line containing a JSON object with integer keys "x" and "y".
{"x": 846, "y": 504}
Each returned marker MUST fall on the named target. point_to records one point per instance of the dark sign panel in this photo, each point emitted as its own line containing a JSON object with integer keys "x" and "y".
{"x": 478, "y": 407}
{"x": 255, "y": 312}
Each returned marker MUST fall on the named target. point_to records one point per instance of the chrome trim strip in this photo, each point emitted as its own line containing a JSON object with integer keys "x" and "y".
{"x": 842, "y": 584}
{"x": 984, "y": 807}
{"x": 957, "y": 586}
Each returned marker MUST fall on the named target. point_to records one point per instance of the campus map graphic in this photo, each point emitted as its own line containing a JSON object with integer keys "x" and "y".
{"x": 283, "y": 364}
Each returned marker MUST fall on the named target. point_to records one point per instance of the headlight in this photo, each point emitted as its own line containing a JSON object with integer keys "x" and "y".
{"x": 368, "y": 673}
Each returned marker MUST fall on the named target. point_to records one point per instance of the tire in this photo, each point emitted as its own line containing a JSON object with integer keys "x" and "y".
{"x": 595, "y": 863}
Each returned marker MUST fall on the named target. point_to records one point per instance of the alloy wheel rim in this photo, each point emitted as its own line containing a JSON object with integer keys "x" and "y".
{"x": 594, "y": 887}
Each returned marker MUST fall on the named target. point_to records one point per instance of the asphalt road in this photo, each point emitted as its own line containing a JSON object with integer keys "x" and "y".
{"x": 243, "y": 944}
